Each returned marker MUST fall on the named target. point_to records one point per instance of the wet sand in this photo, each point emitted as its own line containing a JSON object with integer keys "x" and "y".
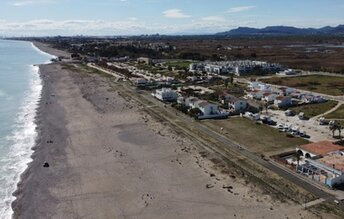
{"x": 109, "y": 159}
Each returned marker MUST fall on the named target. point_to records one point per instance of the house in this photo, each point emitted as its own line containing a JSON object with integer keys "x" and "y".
{"x": 256, "y": 94}
{"x": 139, "y": 81}
{"x": 327, "y": 167}
{"x": 286, "y": 91}
{"x": 255, "y": 85}
{"x": 191, "y": 102}
{"x": 166, "y": 94}
{"x": 309, "y": 98}
{"x": 207, "y": 108}
{"x": 144, "y": 60}
{"x": 282, "y": 101}
{"x": 236, "y": 104}
{"x": 181, "y": 100}
{"x": 269, "y": 97}
{"x": 317, "y": 148}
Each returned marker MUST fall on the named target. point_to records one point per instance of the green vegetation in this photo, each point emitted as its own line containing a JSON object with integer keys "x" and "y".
{"x": 330, "y": 85}
{"x": 312, "y": 110}
{"x": 146, "y": 67}
{"x": 338, "y": 114}
{"x": 256, "y": 137}
{"x": 179, "y": 65}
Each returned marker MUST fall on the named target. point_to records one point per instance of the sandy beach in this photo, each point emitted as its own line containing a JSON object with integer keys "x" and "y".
{"x": 109, "y": 159}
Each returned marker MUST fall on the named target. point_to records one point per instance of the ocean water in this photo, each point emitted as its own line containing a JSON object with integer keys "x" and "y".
{"x": 20, "y": 92}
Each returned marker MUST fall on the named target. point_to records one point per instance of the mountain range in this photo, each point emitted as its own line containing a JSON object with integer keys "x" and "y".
{"x": 283, "y": 31}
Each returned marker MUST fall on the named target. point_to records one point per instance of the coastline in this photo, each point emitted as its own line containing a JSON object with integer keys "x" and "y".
{"x": 109, "y": 159}
{"x": 40, "y": 123}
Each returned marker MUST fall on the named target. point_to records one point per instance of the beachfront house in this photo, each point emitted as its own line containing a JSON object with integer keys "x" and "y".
{"x": 317, "y": 148}
{"x": 166, "y": 94}
{"x": 237, "y": 105}
{"x": 207, "y": 108}
{"x": 323, "y": 162}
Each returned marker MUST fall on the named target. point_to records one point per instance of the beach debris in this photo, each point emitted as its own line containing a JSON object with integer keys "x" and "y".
{"x": 212, "y": 175}
{"x": 208, "y": 186}
{"x": 46, "y": 164}
{"x": 227, "y": 187}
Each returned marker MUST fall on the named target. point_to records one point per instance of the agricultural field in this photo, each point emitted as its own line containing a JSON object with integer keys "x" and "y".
{"x": 256, "y": 137}
{"x": 329, "y": 85}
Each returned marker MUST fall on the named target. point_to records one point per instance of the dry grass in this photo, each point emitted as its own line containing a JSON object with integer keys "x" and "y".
{"x": 258, "y": 138}
{"x": 312, "y": 110}
{"x": 315, "y": 83}
{"x": 338, "y": 114}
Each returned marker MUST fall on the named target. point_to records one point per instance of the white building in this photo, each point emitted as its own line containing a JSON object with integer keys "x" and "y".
{"x": 236, "y": 105}
{"x": 207, "y": 108}
{"x": 140, "y": 81}
{"x": 269, "y": 97}
{"x": 166, "y": 94}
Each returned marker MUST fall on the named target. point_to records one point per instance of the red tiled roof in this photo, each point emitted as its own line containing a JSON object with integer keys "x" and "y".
{"x": 279, "y": 98}
{"x": 321, "y": 147}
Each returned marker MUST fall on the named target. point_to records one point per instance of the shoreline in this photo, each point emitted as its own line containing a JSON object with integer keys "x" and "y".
{"x": 39, "y": 122}
{"x": 109, "y": 159}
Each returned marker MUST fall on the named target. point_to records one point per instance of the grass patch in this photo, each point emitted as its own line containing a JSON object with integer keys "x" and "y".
{"x": 69, "y": 67}
{"x": 258, "y": 138}
{"x": 312, "y": 110}
{"x": 179, "y": 65}
{"x": 338, "y": 114}
{"x": 330, "y": 85}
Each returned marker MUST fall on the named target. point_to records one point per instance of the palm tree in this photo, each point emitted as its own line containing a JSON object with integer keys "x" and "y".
{"x": 334, "y": 126}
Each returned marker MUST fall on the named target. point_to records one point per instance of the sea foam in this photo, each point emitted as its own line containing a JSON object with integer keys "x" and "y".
{"x": 22, "y": 140}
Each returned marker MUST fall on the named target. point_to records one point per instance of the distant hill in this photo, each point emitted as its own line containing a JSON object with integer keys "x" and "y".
{"x": 283, "y": 31}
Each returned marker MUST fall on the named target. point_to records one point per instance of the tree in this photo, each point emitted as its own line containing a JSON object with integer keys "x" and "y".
{"x": 195, "y": 112}
{"x": 226, "y": 82}
{"x": 231, "y": 79}
{"x": 335, "y": 126}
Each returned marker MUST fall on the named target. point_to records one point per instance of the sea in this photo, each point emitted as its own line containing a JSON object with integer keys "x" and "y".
{"x": 20, "y": 92}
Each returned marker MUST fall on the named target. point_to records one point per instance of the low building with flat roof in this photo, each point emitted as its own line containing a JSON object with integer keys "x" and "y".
{"x": 318, "y": 148}
{"x": 327, "y": 169}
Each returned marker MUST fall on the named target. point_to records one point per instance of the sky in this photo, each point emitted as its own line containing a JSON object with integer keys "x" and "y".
{"x": 136, "y": 17}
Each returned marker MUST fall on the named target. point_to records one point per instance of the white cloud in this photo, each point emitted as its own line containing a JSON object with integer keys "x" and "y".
{"x": 213, "y": 18}
{"x": 175, "y": 13}
{"x": 240, "y": 9}
{"x": 132, "y": 18}
{"x": 30, "y": 2}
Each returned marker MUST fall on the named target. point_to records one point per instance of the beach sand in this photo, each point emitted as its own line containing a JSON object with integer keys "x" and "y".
{"x": 109, "y": 159}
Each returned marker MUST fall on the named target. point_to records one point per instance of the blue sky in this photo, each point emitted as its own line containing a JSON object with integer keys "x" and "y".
{"x": 129, "y": 17}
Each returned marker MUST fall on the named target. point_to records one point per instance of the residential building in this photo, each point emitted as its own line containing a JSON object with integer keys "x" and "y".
{"x": 166, "y": 94}
{"x": 282, "y": 101}
{"x": 207, "y": 108}
{"x": 237, "y": 105}
{"x": 269, "y": 97}
{"x": 318, "y": 148}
